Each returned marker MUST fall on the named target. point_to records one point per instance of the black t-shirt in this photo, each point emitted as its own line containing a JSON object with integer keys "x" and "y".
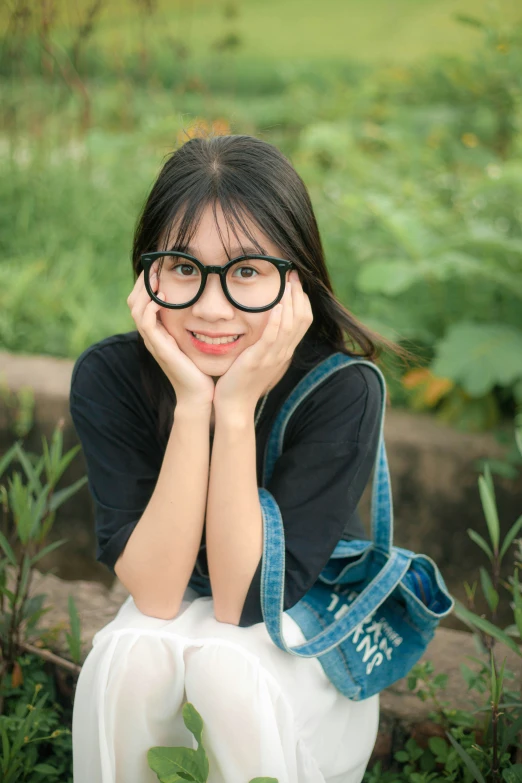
{"x": 329, "y": 450}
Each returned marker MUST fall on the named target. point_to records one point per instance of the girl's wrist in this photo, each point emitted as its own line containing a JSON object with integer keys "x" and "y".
{"x": 235, "y": 415}
{"x": 192, "y": 411}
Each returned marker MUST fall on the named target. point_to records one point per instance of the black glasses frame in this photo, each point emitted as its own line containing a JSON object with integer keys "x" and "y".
{"x": 147, "y": 259}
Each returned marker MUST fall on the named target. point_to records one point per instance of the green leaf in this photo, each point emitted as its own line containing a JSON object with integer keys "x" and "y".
{"x": 8, "y": 457}
{"x": 412, "y": 683}
{"x": 46, "y": 769}
{"x": 518, "y": 441}
{"x": 67, "y": 459}
{"x": 74, "y": 638}
{"x": 513, "y": 774}
{"x": 194, "y": 724}
{"x": 500, "y": 679}
{"x": 264, "y": 780}
{"x": 490, "y": 511}
{"x": 172, "y": 764}
{"x": 20, "y": 503}
{"x": 490, "y": 594}
{"x": 440, "y": 681}
{"x": 5, "y": 749}
{"x": 489, "y": 481}
{"x": 47, "y": 549}
{"x": 470, "y": 677}
{"x": 510, "y": 536}
{"x": 517, "y": 599}
{"x": 64, "y": 494}
{"x": 7, "y": 592}
{"x": 4, "y": 543}
{"x": 193, "y": 721}
{"x": 33, "y": 484}
{"x": 468, "y": 761}
{"x": 473, "y": 620}
{"x": 479, "y": 356}
{"x": 481, "y": 543}
{"x": 439, "y": 747}
{"x": 493, "y": 679}
{"x": 510, "y": 733}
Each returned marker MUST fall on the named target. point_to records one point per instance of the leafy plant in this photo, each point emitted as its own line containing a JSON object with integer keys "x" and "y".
{"x": 478, "y": 742}
{"x": 177, "y": 764}
{"x": 29, "y": 500}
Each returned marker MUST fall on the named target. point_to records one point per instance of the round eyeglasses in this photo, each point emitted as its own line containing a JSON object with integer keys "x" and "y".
{"x": 252, "y": 283}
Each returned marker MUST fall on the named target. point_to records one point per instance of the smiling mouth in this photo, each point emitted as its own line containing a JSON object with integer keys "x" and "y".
{"x": 215, "y": 340}
{"x": 220, "y": 347}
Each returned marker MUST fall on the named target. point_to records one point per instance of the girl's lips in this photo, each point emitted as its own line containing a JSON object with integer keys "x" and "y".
{"x": 217, "y": 350}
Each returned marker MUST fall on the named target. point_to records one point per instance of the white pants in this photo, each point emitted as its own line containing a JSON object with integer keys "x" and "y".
{"x": 265, "y": 712}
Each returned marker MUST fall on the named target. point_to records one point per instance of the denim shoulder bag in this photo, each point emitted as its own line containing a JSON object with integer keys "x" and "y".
{"x": 374, "y": 608}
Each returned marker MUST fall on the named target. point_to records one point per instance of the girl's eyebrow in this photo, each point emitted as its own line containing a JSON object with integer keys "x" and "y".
{"x": 234, "y": 251}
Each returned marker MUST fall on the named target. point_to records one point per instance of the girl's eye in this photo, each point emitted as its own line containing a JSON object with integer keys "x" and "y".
{"x": 248, "y": 269}
{"x": 187, "y": 268}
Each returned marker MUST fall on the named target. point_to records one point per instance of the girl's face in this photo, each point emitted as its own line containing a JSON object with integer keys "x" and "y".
{"x": 213, "y": 314}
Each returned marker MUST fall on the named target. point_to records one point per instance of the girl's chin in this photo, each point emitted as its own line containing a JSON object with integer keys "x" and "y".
{"x": 216, "y": 366}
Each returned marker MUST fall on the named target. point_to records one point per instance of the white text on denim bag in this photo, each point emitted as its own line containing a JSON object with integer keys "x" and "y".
{"x": 375, "y": 639}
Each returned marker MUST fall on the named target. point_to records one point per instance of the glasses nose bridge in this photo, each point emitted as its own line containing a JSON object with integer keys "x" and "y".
{"x": 213, "y": 269}
{"x": 217, "y": 270}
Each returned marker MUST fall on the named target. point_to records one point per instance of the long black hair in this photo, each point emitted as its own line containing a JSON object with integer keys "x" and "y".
{"x": 248, "y": 178}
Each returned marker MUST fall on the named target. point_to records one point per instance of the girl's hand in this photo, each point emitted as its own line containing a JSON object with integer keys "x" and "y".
{"x": 252, "y": 373}
{"x": 191, "y": 386}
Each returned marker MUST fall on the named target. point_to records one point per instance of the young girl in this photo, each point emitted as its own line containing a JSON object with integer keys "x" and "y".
{"x": 233, "y": 305}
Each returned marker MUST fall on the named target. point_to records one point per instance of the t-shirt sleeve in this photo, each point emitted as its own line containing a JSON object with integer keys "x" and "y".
{"x": 319, "y": 478}
{"x": 122, "y": 468}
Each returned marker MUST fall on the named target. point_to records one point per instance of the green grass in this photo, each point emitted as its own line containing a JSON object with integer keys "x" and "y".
{"x": 365, "y": 30}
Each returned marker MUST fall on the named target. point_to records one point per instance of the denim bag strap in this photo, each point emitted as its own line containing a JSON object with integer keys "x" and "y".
{"x": 273, "y": 563}
{"x": 382, "y": 507}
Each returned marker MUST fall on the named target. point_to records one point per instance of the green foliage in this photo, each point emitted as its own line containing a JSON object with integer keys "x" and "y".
{"x": 20, "y": 409}
{"x": 35, "y": 732}
{"x": 415, "y": 173}
{"x": 177, "y": 764}
{"x": 478, "y": 741}
{"x": 36, "y": 744}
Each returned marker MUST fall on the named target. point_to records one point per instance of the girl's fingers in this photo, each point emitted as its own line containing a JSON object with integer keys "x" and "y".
{"x": 302, "y": 309}
{"x": 139, "y": 289}
{"x": 149, "y": 317}
{"x": 142, "y": 299}
{"x": 287, "y": 318}
{"x": 136, "y": 288}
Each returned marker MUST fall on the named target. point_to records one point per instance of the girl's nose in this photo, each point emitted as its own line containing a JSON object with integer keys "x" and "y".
{"x": 212, "y": 302}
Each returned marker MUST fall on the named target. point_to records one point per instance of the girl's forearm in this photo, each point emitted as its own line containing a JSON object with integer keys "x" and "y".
{"x": 160, "y": 555}
{"x": 234, "y": 522}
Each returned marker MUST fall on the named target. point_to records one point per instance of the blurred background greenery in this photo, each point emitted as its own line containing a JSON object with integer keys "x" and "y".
{"x": 403, "y": 117}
